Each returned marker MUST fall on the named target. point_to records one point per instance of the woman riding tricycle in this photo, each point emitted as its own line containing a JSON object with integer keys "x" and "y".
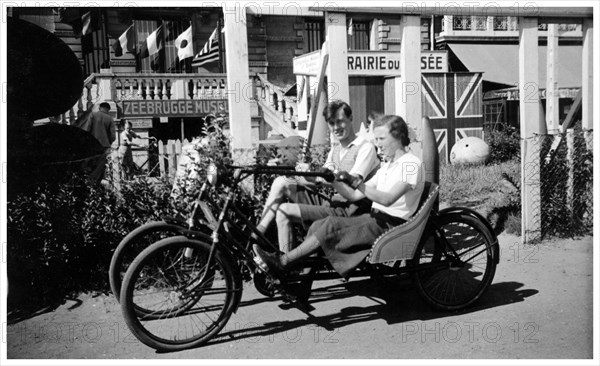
{"x": 180, "y": 291}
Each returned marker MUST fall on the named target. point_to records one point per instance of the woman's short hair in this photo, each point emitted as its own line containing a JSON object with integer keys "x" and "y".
{"x": 334, "y": 106}
{"x": 396, "y": 125}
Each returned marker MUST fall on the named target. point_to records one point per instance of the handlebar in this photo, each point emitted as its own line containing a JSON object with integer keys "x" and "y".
{"x": 282, "y": 170}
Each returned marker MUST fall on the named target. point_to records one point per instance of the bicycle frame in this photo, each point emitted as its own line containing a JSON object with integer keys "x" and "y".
{"x": 221, "y": 226}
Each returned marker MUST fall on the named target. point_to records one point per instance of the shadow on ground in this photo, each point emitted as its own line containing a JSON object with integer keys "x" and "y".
{"x": 396, "y": 301}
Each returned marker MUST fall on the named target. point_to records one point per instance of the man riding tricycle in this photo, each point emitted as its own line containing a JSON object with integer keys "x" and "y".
{"x": 180, "y": 291}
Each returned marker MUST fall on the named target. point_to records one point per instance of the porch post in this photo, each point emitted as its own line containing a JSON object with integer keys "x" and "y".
{"x": 552, "y": 123}
{"x": 408, "y": 85}
{"x": 587, "y": 81}
{"x": 337, "y": 68}
{"x": 530, "y": 126}
{"x": 238, "y": 84}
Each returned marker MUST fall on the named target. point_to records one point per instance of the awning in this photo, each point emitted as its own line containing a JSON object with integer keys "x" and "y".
{"x": 500, "y": 63}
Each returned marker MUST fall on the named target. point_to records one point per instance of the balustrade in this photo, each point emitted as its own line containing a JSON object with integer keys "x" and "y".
{"x": 477, "y": 25}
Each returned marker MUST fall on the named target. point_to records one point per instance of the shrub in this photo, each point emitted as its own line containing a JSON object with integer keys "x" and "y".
{"x": 504, "y": 143}
{"x": 61, "y": 235}
{"x": 566, "y": 187}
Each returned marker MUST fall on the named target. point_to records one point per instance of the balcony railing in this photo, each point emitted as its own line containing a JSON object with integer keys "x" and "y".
{"x": 108, "y": 86}
{"x": 501, "y": 26}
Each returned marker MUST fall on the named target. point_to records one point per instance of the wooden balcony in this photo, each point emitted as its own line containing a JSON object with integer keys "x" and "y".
{"x": 279, "y": 110}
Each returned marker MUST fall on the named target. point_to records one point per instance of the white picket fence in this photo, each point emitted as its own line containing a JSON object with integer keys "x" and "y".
{"x": 168, "y": 156}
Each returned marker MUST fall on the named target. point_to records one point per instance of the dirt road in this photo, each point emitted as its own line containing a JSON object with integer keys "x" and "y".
{"x": 539, "y": 306}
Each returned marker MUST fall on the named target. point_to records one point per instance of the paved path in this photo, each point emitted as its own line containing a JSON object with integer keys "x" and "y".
{"x": 539, "y": 306}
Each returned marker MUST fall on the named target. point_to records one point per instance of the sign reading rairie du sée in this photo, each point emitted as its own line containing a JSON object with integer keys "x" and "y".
{"x": 374, "y": 63}
{"x": 174, "y": 107}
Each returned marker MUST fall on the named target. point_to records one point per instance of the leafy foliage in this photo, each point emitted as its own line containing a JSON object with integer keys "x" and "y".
{"x": 504, "y": 143}
{"x": 566, "y": 187}
{"x": 62, "y": 234}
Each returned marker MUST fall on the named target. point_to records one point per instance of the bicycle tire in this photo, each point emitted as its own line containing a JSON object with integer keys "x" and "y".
{"x": 117, "y": 266}
{"x": 177, "y": 276}
{"x": 458, "y": 260}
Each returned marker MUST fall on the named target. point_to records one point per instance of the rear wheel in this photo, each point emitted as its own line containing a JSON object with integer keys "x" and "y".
{"x": 132, "y": 244}
{"x": 189, "y": 300}
{"x": 457, "y": 261}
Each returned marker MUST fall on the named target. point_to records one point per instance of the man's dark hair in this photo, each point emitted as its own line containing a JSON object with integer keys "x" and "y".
{"x": 105, "y": 105}
{"x": 334, "y": 106}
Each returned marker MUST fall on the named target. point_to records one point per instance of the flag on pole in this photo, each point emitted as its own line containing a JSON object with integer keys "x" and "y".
{"x": 82, "y": 24}
{"x": 89, "y": 23}
{"x": 125, "y": 43}
{"x": 350, "y": 28}
{"x": 153, "y": 44}
{"x": 184, "y": 44}
{"x": 210, "y": 51}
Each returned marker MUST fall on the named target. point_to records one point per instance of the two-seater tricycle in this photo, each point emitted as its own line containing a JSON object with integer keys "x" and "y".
{"x": 187, "y": 277}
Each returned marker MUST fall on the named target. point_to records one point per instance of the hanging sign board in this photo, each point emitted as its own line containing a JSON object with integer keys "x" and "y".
{"x": 373, "y": 63}
{"x": 174, "y": 107}
{"x": 141, "y": 122}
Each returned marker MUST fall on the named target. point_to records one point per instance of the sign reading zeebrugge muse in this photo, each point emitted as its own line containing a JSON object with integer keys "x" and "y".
{"x": 174, "y": 107}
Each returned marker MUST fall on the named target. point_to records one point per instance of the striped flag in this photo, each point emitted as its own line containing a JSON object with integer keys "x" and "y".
{"x": 88, "y": 23}
{"x": 81, "y": 24}
{"x": 210, "y": 51}
{"x": 184, "y": 44}
{"x": 153, "y": 44}
{"x": 125, "y": 43}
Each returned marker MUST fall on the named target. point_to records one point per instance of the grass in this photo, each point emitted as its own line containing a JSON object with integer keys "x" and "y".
{"x": 489, "y": 189}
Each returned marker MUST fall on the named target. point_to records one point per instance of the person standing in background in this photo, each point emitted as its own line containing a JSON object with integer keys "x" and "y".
{"x": 101, "y": 125}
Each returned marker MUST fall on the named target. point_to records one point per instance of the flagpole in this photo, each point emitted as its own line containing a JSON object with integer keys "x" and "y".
{"x": 220, "y": 35}
{"x": 135, "y": 46}
{"x": 222, "y": 48}
{"x": 185, "y": 62}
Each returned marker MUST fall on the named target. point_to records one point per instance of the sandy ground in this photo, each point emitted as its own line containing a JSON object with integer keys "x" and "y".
{"x": 540, "y": 305}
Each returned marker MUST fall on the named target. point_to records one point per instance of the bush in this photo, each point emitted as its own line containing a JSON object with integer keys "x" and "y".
{"x": 565, "y": 214}
{"x": 61, "y": 235}
{"x": 504, "y": 143}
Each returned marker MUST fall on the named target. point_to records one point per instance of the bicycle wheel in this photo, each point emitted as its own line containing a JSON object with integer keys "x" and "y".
{"x": 132, "y": 244}
{"x": 191, "y": 300}
{"x": 456, "y": 261}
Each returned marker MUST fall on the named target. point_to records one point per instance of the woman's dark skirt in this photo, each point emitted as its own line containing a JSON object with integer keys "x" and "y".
{"x": 346, "y": 241}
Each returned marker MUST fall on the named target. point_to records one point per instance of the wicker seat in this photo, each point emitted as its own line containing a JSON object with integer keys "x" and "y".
{"x": 401, "y": 241}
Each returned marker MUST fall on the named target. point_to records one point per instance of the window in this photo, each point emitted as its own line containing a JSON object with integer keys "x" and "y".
{"x": 493, "y": 112}
{"x": 313, "y": 34}
{"x": 359, "y": 40}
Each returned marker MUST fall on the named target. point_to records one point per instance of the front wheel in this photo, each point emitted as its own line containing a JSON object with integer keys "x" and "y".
{"x": 456, "y": 261}
{"x": 132, "y": 244}
{"x": 190, "y": 298}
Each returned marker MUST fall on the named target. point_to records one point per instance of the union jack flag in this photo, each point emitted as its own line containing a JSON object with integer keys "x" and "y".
{"x": 453, "y": 103}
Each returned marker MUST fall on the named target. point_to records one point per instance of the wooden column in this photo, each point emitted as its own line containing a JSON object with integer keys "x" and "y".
{"x": 530, "y": 125}
{"x": 337, "y": 68}
{"x": 238, "y": 82}
{"x": 552, "y": 121}
{"x": 587, "y": 81}
{"x": 408, "y": 85}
